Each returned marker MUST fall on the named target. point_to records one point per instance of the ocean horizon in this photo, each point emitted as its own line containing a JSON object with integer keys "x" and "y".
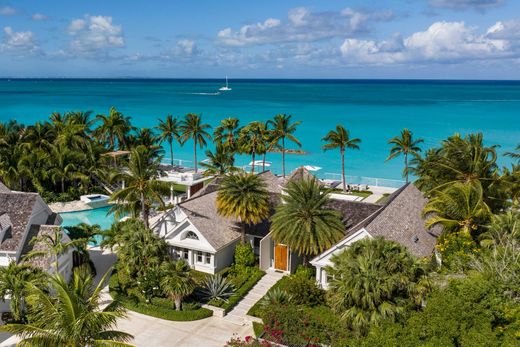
{"x": 372, "y": 109}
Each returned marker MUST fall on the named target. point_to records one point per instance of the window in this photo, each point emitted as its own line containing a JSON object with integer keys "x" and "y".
{"x": 207, "y": 259}
{"x": 192, "y": 235}
{"x": 256, "y": 242}
{"x": 199, "y": 257}
{"x": 185, "y": 254}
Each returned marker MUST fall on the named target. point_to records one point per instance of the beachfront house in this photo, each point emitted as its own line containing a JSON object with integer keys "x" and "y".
{"x": 23, "y": 217}
{"x": 399, "y": 219}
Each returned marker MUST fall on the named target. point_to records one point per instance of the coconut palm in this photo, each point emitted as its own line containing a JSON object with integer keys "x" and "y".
{"x": 405, "y": 145}
{"x": 375, "y": 280}
{"x": 70, "y": 315}
{"x": 227, "y": 132}
{"x": 65, "y": 165}
{"x": 252, "y": 141}
{"x": 459, "y": 207}
{"x": 243, "y": 197}
{"x": 340, "y": 138}
{"x": 303, "y": 221}
{"x": 55, "y": 244}
{"x": 177, "y": 281}
{"x": 141, "y": 183}
{"x": 219, "y": 162}
{"x": 501, "y": 229}
{"x": 515, "y": 154}
{"x": 283, "y": 129}
{"x": 114, "y": 127}
{"x": 169, "y": 131}
{"x": 193, "y": 128}
{"x": 14, "y": 280}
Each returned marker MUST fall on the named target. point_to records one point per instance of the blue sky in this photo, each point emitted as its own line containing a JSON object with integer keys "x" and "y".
{"x": 466, "y": 39}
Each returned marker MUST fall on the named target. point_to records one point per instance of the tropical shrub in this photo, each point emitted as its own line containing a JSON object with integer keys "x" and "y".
{"x": 302, "y": 289}
{"x": 244, "y": 256}
{"x": 216, "y": 287}
{"x": 276, "y": 296}
{"x": 374, "y": 280}
{"x": 456, "y": 250}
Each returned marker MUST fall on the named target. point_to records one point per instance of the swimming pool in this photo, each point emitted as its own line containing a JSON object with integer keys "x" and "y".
{"x": 96, "y": 216}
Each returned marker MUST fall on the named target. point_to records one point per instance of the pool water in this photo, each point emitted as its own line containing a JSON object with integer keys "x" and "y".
{"x": 99, "y": 216}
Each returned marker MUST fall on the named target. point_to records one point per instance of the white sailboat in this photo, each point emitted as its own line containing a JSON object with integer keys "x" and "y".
{"x": 226, "y": 87}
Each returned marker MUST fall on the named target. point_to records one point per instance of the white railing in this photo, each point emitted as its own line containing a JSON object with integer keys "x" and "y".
{"x": 370, "y": 181}
{"x": 180, "y": 162}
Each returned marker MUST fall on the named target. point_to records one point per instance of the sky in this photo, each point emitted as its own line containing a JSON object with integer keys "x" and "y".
{"x": 440, "y": 39}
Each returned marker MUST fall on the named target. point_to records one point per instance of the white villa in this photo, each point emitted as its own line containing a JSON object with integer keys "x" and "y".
{"x": 399, "y": 219}
{"x": 24, "y": 216}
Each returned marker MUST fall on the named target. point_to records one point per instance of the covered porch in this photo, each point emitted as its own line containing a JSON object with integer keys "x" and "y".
{"x": 277, "y": 256}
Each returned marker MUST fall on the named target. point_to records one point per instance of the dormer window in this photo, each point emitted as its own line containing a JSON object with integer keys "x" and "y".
{"x": 192, "y": 235}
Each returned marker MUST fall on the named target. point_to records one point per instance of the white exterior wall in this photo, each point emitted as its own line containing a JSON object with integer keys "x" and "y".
{"x": 225, "y": 255}
{"x": 324, "y": 259}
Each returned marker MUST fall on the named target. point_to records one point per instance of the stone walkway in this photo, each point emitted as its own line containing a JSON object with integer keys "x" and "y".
{"x": 239, "y": 314}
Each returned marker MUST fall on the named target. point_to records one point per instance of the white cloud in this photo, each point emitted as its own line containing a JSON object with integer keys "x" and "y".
{"x": 39, "y": 17}
{"x": 7, "y": 11}
{"x": 466, "y": 4}
{"x": 302, "y": 25}
{"x": 187, "y": 47}
{"x": 94, "y": 34}
{"x": 18, "y": 41}
{"x": 442, "y": 42}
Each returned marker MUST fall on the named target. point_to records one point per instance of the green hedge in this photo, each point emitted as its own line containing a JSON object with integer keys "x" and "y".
{"x": 258, "y": 328}
{"x": 159, "y": 308}
{"x": 240, "y": 292}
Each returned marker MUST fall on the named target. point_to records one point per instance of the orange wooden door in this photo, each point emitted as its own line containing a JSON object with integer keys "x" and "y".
{"x": 280, "y": 257}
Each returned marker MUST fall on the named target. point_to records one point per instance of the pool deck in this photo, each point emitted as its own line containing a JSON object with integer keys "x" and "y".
{"x": 70, "y": 206}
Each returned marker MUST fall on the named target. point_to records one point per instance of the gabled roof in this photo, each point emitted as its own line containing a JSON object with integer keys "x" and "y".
{"x": 300, "y": 174}
{"x": 352, "y": 212}
{"x": 202, "y": 213}
{"x": 19, "y": 207}
{"x": 43, "y": 262}
{"x": 400, "y": 220}
{"x": 4, "y": 189}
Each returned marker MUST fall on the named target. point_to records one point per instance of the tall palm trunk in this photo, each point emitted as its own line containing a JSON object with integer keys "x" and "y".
{"x": 283, "y": 157}
{"x": 178, "y": 301}
{"x": 63, "y": 185}
{"x": 406, "y": 166}
{"x": 253, "y": 162}
{"x": 243, "y": 233}
{"x": 144, "y": 212}
{"x": 171, "y": 152}
{"x": 263, "y": 161}
{"x": 195, "y": 154}
{"x": 343, "y": 180}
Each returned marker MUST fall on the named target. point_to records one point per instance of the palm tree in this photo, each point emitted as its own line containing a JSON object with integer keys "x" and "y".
{"x": 177, "y": 281}
{"x": 245, "y": 198}
{"x": 192, "y": 128}
{"x": 303, "y": 221}
{"x": 114, "y": 127}
{"x": 70, "y": 315}
{"x": 220, "y": 162}
{"x": 502, "y": 228}
{"x": 375, "y": 280}
{"x": 14, "y": 279}
{"x": 227, "y": 132}
{"x": 516, "y": 154}
{"x": 458, "y": 207}
{"x": 252, "y": 141}
{"x": 283, "y": 129}
{"x": 141, "y": 183}
{"x": 341, "y": 139}
{"x": 65, "y": 165}
{"x": 169, "y": 130}
{"x": 53, "y": 243}
{"x": 405, "y": 145}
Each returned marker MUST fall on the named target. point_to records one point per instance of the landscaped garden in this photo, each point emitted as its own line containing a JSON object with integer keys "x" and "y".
{"x": 148, "y": 281}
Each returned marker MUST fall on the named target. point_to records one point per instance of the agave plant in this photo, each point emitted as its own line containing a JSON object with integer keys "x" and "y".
{"x": 276, "y": 296}
{"x": 217, "y": 287}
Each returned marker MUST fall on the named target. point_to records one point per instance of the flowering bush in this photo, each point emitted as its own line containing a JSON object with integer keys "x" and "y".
{"x": 456, "y": 250}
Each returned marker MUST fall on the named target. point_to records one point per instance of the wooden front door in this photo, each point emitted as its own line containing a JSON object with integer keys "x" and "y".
{"x": 280, "y": 257}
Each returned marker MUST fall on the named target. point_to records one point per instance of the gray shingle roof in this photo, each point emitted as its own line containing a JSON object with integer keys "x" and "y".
{"x": 4, "y": 189}
{"x": 43, "y": 262}
{"x": 352, "y": 212}
{"x": 400, "y": 220}
{"x": 202, "y": 212}
{"x": 19, "y": 207}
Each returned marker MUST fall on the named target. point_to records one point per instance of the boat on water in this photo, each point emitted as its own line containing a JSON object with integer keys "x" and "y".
{"x": 226, "y": 87}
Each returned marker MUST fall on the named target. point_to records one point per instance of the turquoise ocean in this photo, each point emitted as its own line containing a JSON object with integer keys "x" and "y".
{"x": 373, "y": 110}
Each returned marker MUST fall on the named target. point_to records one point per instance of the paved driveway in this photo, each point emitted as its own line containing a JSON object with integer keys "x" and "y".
{"x": 208, "y": 332}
